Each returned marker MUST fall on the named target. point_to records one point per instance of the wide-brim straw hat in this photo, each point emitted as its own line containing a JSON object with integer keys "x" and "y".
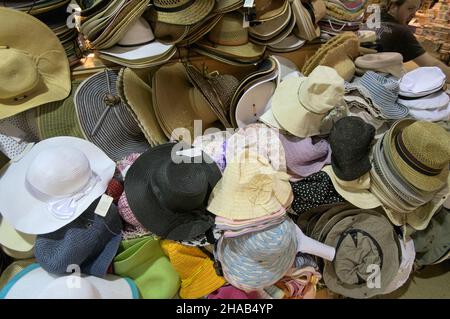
{"x": 284, "y": 33}
{"x": 105, "y": 120}
{"x": 269, "y": 29}
{"x": 199, "y": 30}
{"x": 288, "y": 44}
{"x": 267, "y": 10}
{"x": 168, "y": 33}
{"x": 137, "y": 95}
{"x": 306, "y": 27}
{"x": 36, "y": 58}
{"x": 224, "y": 6}
{"x": 181, "y": 12}
{"x": 421, "y": 153}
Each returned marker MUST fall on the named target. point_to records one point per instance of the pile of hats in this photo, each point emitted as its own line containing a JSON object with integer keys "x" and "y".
{"x": 342, "y": 16}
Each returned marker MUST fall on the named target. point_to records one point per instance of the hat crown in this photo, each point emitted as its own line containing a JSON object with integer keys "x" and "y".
{"x": 138, "y": 33}
{"x": 59, "y": 171}
{"x": 181, "y": 187}
{"x": 19, "y": 73}
{"x": 229, "y": 31}
{"x": 322, "y": 90}
{"x": 70, "y": 287}
{"x": 269, "y": 244}
{"x": 428, "y": 143}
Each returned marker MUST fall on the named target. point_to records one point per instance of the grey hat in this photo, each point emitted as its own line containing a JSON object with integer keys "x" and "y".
{"x": 105, "y": 120}
{"x": 90, "y": 241}
{"x": 363, "y": 242}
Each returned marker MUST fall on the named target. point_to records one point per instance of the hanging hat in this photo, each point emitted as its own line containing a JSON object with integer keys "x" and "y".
{"x": 303, "y": 157}
{"x": 168, "y": 193}
{"x": 355, "y": 191}
{"x": 386, "y": 62}
{"x": 361, "y": 240}
{"x": 383, "y": 93}
{"x": 300, "y": 104}
{"x": 432, "y": 243}
{"x": 143, "y": 260}
{"x": 258, "y": 260}
{"x": 421, "y": 154}
{"x": 182, "y": 12}
{"x": 196, "y": 270}
{"x": 34, "y": 282}
{"x": 177, "y": 106}
{"x": 36, "y": 59}
{"x": 350, "y": 142}
{"x": 257, "y": 189}
{"x": 90, "y": 241}
{"x": 59, "y": 118}
{"x": 105, "y": 119}
{"x": 314, "y": 191}
{"x": 17, "y": 244}
{"x": 58, "y": 179}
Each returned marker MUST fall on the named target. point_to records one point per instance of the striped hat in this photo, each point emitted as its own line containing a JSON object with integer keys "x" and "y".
{"x": 105, "y": 120}
{"x": 260, "y": 259}
{"x": 383, "y": 93}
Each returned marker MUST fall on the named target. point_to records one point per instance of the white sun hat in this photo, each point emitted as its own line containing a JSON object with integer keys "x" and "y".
{"x": 34, "y": 282}
{"x": 53, "y": 184}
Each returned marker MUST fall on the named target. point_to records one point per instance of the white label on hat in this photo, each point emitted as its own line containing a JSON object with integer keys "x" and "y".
{"x": 248, "y": 3}
{"x": 245, "y": 22}
{"x": 191, "y": 152}
{"x": 103, "y": 205}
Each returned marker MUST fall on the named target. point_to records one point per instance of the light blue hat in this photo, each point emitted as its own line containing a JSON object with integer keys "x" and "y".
{"x": 382, "y": 91}
{"x": 260, "y": 259}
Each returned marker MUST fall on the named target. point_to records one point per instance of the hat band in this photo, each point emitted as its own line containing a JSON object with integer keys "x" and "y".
{"x": 411, "y": 160}
{"x": 174, "y": 9}
{"x": 64, "y": 207}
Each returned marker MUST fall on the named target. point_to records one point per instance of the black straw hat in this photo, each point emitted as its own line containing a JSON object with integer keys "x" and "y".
{"x": 168, "y": 193}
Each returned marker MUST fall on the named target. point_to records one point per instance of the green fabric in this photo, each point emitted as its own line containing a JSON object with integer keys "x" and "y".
{"x": 59, "y": 118}
{"x": 143, "y": 260}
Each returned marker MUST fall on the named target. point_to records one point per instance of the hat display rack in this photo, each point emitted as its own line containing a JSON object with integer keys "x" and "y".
{"x": 214, "y": 149}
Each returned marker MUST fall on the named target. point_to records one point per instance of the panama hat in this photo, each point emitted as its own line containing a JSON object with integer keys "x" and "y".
{"x": 196, "y": 270}
{"x": 300, "y": 104}
{"x": 34, "y": 282}
{"x": 168, "y": 193}
{"x": 421, "y": 153}
{"x": 58, "y": 179}
{"x": 183, "y": 12}
{"x": 105, "y": 120}
{"x": 256, "y": 187}
{"x": 37, "y": 59}
{"x": 137, "y": 95}
{"x": 258, "y": 260}
{"x": 17, "y": 244}
{"x": 356, "y": 192}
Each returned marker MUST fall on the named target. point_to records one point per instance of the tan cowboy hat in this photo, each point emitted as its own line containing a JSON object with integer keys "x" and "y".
{"x": 35, "y": 69}
{"x": 137, "y": 95}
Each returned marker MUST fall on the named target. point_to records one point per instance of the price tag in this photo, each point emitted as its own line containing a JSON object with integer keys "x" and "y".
{"x": 103, "y": 205}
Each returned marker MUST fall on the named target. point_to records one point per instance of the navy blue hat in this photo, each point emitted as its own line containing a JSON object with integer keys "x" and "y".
{"x": 90, "y": 241}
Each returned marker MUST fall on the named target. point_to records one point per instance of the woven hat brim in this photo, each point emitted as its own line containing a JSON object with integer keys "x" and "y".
{"x": 289, "y": 44}
{"x": 142, "y": 64}
{"x": 146, "y": 206}
{"x": 271, "y": 28}
{"x": 189, "y": 16}
{"x": 284, "y": 33}
{"x": 224, "y": 6}
{"x": 59, "y": 118}
{"x": 248, "y": 51}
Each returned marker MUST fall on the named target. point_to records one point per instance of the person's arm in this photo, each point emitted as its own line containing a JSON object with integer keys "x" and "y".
{"x": 427, "y": 60}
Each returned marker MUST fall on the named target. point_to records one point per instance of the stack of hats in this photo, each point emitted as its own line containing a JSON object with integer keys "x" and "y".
{"x": 342, "y": 16}
{"x": 308, "y": 14}
{"x": 338, "y": 53}
{"x": 410, "y": 172}
{"x": 422, "y": 91}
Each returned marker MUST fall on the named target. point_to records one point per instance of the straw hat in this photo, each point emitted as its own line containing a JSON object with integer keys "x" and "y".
{"x": 17, "y": 244}
{"x": 421, "y": 154}
{"x": 306, "y": 27}
{"x": 105, "y": 120}
{"x": 256, "y": 188}
{"x": 300, "y": 104}
{"x": 58, "y": 179}
{"x": 196, "y": 270}
{"x": 137, "y": 95}
{"x": 270, "y": 28}
{"x": 37, "y": 59}
{"x": 259, "y": 259}
{"x": 33, "y": 282}
{"x": 224, "y": 6}
{"x": 168, "y": 33}
{"x": 181, "y": 12}
{"x": 13, "y": 269}
{"x": 269, "y": 9}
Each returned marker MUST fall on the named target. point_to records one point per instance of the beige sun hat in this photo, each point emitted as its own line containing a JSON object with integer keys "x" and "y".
{"x": 14, "y": 243}
{"x": 300, "y": 104}
{"x": 250, "y": 188}
{"x": 181, "y": 12}
{"x": 355, "y": 192}
{"x": 35, "y": 69}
